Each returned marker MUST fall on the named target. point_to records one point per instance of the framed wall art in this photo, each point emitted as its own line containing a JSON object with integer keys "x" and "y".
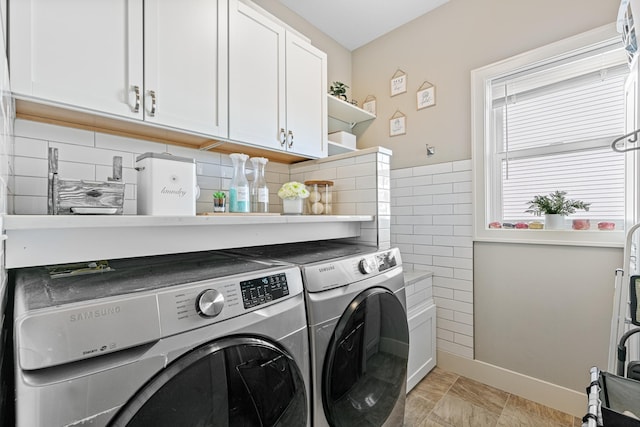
{"x": 398, "y": 82}
{"x": 397, "y": 124}
{"x": 369, "y": 104}
{"x": 426, "y": 95}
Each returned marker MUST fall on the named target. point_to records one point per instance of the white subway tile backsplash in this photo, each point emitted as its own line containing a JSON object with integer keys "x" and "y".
{"x": 416, "y": 220}
{"x": 463, "y": 296}
{"x": 463, "y": 274}
{"x": 130, "y": 145}
{"x": 453, "y": 326}
{"x": 91, "y": 155}
{"x": 453, "y": 283}
{"x": 455, "y": 348}
{"x": 462, "y": 230}
{"x": 52, "y": 133}
{"x": 434, "y": 230}
{"x": 433, "y": 210}
{"x": 30, "y": 186}
{"x": 29, "y": 205}
{"x": 440, "y": 194}
{"x": 73, "y": 170}
{"x": 401, "y": 210}
{"x": 457, "y": 177}
{"x": 462, "y": 187}
{"x": 439, "y": 292}
{"x": 464, "y": 340}
{"x": 465, "y": 318}
{"x": 444, "y": 313}
{"x": 453, "y": 262}
{"x": 462, "y": 165}
{"x": 401, "y": 173}
{"x": 452, "y": 219}
{"x": 433, "y": 189}
{"x": 29, "y": 166}
{"x": 433, "y": 250}
{"x": 463, "y": 209}
{"x": 30, "y": 147}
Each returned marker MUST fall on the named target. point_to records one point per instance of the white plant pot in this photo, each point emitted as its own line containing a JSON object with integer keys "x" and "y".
{"x": 554, "y": 222}
{"x": 292, "y": 206}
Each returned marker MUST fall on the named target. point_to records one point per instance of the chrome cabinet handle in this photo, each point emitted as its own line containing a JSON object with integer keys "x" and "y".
{"x": 136, "y": 108}
{"x": 152, "y": 94}
{"x": 283, "y": 137}
{"x": 290, "y": 139}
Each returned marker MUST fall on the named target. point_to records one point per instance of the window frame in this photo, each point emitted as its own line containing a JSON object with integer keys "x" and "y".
{"x": 482, "y": 138}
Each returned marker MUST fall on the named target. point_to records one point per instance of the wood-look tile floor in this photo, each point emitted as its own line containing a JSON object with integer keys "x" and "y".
{"x": 444, "y": 399}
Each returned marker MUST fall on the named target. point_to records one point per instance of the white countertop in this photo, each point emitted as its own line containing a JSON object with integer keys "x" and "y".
{"x": 48, "y": 239}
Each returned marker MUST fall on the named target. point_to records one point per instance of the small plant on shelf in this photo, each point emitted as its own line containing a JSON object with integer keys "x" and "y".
{"x": 339, "y": 90}
{"x": 555, "y": 203}
{"x": 219, "y": 195}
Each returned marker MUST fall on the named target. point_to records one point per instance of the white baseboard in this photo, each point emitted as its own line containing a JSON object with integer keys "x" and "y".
{"x": 545, "y": 393}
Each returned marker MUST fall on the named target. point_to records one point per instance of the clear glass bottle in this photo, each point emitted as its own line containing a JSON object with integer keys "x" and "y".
{"x": 239, "y": 200}
{"x": 259, "y": 189}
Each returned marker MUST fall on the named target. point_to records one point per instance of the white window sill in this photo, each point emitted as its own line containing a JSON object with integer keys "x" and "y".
{"x": 595, "y": 238}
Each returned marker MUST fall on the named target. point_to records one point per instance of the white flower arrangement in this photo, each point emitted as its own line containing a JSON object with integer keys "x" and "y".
{"x": 293, "y": 190}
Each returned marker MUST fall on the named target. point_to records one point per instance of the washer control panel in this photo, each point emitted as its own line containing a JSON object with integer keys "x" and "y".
{"x": 263, "y": 290}
{"x": 182, "y": 308}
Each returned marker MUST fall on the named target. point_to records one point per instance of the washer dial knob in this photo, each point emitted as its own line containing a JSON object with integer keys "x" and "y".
{"x": 209, "y": 303}
{"x": 364, "y": 266}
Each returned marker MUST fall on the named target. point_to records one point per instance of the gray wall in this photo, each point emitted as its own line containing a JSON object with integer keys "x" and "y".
{"x": 544, "y": 311}
{"x": 442, "y": 47}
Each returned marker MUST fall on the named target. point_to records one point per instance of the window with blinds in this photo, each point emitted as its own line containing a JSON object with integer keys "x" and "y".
{"x": 553, "y": 124}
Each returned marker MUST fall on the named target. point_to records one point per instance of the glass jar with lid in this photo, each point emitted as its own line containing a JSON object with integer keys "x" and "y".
{"x": 320, "y": 197}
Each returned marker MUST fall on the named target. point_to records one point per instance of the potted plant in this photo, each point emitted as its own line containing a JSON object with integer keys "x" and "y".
{"x": 339, "y": 90}
{"x": 555, "y": 206}
{"x": 219, "y": 201}
{"x": 292, "y": 194}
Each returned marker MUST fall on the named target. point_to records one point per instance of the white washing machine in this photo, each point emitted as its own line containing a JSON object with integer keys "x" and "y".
{"x": 359, "y": 337}
{"x": 201, "y": 339}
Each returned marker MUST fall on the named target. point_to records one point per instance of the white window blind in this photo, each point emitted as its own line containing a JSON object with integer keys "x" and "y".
{"x": 553, "y": 130}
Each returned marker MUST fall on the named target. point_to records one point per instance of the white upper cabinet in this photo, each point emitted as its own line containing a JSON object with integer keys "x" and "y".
{"x": 79, "y": 53}
{"x": 91, "y": 55}
{"x": 185, "y": 68}
{"x": 277, "y": 85}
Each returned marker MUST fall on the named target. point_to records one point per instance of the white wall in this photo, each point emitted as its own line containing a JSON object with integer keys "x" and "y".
{"x": 431, "y": 224}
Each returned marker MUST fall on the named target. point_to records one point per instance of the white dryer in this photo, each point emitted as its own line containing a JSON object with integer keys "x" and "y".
{"x": 358, "y": 331}
{"x": 201, "y": 339}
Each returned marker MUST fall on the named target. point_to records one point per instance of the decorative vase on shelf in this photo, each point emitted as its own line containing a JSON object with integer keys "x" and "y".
{"x": 292, "y": 206}
{"x": 553, "y": 221}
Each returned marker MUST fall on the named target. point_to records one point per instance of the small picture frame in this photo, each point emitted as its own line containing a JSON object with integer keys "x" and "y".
{"x": 397, "y": 124}
{"x": 426, "y": 95}
{"x": 369, "y": 104}
{"x": 398, "y": 82}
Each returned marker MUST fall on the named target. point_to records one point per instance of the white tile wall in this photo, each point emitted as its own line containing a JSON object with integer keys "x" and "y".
{"x": 362, "y": 183}
{"x": 89, "y": 155}
{"x": 361, "y": 186}
{"x": 431, "y": 224}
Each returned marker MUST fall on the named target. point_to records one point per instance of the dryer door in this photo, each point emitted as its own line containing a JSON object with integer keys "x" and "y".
{"x": 365, "y": 371}
{"x": 231, "y": 382}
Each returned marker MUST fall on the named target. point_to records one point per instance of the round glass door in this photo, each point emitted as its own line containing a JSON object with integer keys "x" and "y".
{"x": 237, "y": 382}
{"x": 365, "y": 369}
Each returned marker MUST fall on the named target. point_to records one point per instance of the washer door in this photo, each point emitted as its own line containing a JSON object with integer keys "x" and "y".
{"x": 232, "y": 382}
{"x": 365, "y": 369}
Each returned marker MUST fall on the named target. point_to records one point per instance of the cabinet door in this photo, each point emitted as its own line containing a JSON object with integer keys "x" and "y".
{"x": 80, "y": 53}
{"x": 185, "y": 65}
{"x": 256, "y": 77}
{"x": 306, "y": 98}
